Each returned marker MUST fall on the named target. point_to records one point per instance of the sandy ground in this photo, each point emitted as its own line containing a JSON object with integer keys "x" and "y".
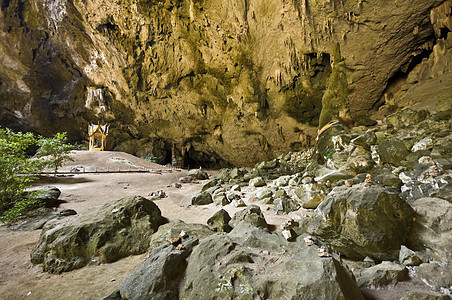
{"x": 19, "y": 279}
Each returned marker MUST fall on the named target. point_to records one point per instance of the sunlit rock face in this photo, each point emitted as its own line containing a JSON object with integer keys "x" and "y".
{"x": 226, "y": 82}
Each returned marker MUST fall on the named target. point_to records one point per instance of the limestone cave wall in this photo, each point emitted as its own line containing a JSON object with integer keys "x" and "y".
{"x": 226, "y": 82}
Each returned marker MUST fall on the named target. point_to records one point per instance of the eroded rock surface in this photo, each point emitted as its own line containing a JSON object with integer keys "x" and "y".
{"x": 363, "y": 221}
{"x": 118, "y": 229}
{"x": 247, "y": 263}
{"x": 230, "y": 82}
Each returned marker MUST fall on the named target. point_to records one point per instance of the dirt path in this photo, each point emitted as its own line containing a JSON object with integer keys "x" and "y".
{"x": 19, "y": 279}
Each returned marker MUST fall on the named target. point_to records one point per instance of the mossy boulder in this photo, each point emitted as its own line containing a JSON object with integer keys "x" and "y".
{"x": 118, "y": 229}
{"x": 433, "y": 228}
{"x": 252, "y": 263}
{"x": 174, "y": 228}
{"x": 363, "y": 221}
{"x": 252, "y": 215}
{"x": 220, "y": 221}
{"x": 393, "y": 151}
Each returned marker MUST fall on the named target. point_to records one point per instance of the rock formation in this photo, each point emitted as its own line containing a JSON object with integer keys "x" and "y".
{"x": 225, "y": 82}
{"x": 119, "y": 229}
{"x": 247, "y": 263}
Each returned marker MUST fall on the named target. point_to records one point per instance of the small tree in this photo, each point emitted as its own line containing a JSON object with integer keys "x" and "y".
{"x": 17, "y": 170}
{"x": 56, "y": 150}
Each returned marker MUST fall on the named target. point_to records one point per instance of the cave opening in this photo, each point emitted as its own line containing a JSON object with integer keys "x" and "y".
{"x": 443, "y": 32}
{"x": 5, "y": 4}
{"x": 192, "y": 159}
{"x": 397, "y": 80}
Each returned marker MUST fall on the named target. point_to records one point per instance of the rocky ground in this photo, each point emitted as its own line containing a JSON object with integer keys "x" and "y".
{"x": 84, "y": 193}
{"x": 367, "y": 213}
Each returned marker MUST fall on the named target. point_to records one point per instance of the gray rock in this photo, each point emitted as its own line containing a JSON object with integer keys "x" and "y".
{"x": 444, "y": 192}
{"x": 435, "y": 275}
{"x": 386, "y": 178}
{"x": 433, "y": 227}
{"x": 36, "y": 219}
{"x": 385, "y": 274}
{"x": 49, "y": 195}
{"x": 174, "y": 228}
{"x": 158, "y": 195}
{"x": 251, "y": 263}
{"x": 264, "y": 194}
{"x": 360, "y": 164}
{"x": 424, "y": 144}
{"x": 235, "y": 188}
{"x": 363, "y": 221}
{"x": 233, "y": 196}
{"x": 407, "y": 117}
{"x": 67, "y": 212}
{"x": 284, "y": 205}
{"x": 121, "y": 228}
{"x": 211, "y": 183}
{"x": 198, "y": 174}
{"x": 310, "y": 195}
{"x": 159, "y": 276}
{"x": 212, "y": 190}
{"x": 280, "y": 193}
{"x": 424, "y": 295}
{"x": 202, "y": 198}
{"x": 324, "y": 174}
{"x": 265, "y": 165}
{"x": 252, "y": 214}
{"x": 408, "y": 257}
{"x": 238, "y": 203}
{"x": 219, "y": 222}
{"x": 413, "y": 158}
{"x": 365, "y": 140}
{"x": 445, "y": 164}
{"x": 282, "y": 181}
{"x": 235, "y": 175}
{"x": 186, "y": 179}
{"x": 393, "y": 151}
{"x": 257, "y": 182}
{"x": 219, "y": 197}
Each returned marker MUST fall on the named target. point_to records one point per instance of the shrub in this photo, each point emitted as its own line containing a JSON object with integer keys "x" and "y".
{"x": 56, "y": 150}
{"x": 18, "y": 170}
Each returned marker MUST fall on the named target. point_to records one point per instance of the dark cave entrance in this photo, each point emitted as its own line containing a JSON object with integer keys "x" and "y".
{"x": 397, "y": 80}
{"x": 188, "y": 157}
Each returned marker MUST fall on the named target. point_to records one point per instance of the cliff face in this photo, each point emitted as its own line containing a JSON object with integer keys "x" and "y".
{"x": 224, "y": 81}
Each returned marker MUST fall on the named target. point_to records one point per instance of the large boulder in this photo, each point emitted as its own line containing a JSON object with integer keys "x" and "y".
{"x": 175, "y": 228}
{"x": 310, "y": 195}
{"x": 437, "y": 276}
{"x": 252, "y": 263}
{"x": 198, "y": 174}
{"x": 252, "y": 215}
{"x": 393, "y": 151}
{"x": 257, "y": 182}
{"x": 385, "y": 274}
{"x": 363, "y": 221}
{"x": 118, "y": 229}
{"x": 202, "y": 198}
{"x": 433, "y": 228}
{"x": 159, "y": 276}
{"x": 48, "y": 195}
{"x": 220, "y": 221}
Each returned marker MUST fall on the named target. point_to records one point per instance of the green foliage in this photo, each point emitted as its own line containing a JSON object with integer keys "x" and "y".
{"x": 18, "y": 170}
{"x": 56, "y": 150}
